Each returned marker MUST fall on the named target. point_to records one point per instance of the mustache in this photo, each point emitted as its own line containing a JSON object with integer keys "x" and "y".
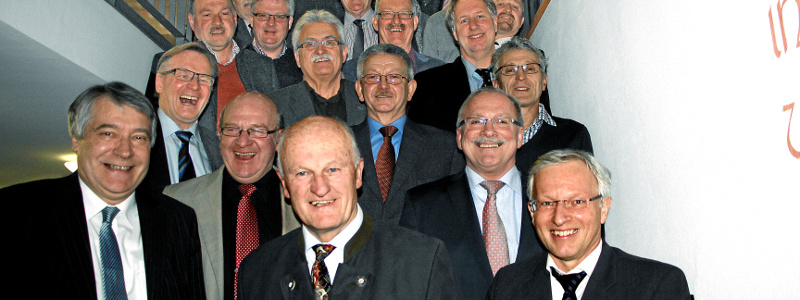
{"x": 383, "y": 93}
{"x": 318, "y": 57}
{"x": 506, "y": 14}
{"x": 217, "y": 27}
{"x": 391, "y": 26}
{"x": 484, "y": 139}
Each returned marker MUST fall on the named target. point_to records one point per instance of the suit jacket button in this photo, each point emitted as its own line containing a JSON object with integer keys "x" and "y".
{"x": 362, "y": 281}
{"x": 291, "y": 285}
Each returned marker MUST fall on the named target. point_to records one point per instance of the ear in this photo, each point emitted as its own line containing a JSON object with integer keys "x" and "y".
{"x": 345, "y": 49}
{"x": 458, "y": 138}
{"x": 375, "y": 22}
{"x": 190, "y": 16}
{"x": 358, "y": 91}
{"x": 416, "y": 22}
{"x": 75, "y": 143}
{"x": 412, "y": 87}
{"x": 159, "y": 82}
{"x": 496, "y": 84}
{"x": 289, "y": 28}
{"x": 359, "y": 170}
{"x": 283, "y": 184}
{"x": 604, "y": 209}
{"x": 530, "y": 210}
{"x": 544, "y": 86}
{"x": 520, "y": 136}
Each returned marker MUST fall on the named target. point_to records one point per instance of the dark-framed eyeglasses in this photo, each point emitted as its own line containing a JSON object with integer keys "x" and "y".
{"x": 376, "y": 78}
{"x": 511, "y": 70}
{"x": 265, "y": 17}
{"x": 328, "y": 44}
{"x": 480, "y": 122}
{"x": 567, "y": 204}
{"x": 187, "y": 75}
{"x": 388, "y": 15}
{"x": 252, "y": 132}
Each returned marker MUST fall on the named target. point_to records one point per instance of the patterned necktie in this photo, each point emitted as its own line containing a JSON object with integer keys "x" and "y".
{"x": 486, "y": 74}
{"x": 569, "y": 282}
{"x": 246, "y": 229}
{"x": 384, "y": 163}
{"x": 358, "y": 44}
{"x": 494, "y": 234}
{"x": 319, "y": 272}
{"x": 185, "y": 166}
{"x": 113, "y": 279}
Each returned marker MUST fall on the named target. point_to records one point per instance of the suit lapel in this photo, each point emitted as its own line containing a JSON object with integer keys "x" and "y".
{"x": 76, "y": 235}
{"x": 604, "y": 276}
{"x": 302, "y": 105}
{"x": 370, "y": 189}
{"x": 409, "y": 149}
{"x": 356, "y": 113}
{"x": 461, "y": 196}
{"x": 348, "y": 284}
{"x": 528, "y": 240}
{"x": 153, "y": 241}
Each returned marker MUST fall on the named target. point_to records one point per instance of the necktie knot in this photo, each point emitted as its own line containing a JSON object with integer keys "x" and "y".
{"x": 109, "y": 213}
{"x": 569, "y": 282}
{"x": 358, "y": 22}
{"x": 492, "y": 186}
{"x": 247, "y": 189}
{"x": 486, "y": 74}
{"x": 388, "y": 131}
{"x": 184, "y": 136}
{"x": 323, "y": 250}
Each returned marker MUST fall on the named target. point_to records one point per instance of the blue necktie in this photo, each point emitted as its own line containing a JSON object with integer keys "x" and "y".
{"x": 113, "y": 280}
{"x": 185, "y": 166}
{"x": 569, "y": 282}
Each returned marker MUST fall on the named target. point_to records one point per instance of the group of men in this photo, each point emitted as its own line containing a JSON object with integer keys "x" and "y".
{"x": 177, "y": 196}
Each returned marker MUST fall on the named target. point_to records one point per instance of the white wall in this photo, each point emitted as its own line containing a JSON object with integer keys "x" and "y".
{"x": 685, "y": 103}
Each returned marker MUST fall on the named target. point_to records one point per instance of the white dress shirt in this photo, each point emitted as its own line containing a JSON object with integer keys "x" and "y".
{"x": 172, "y": 145}
{"x": 587, "y": 265}
{"x": 508, "y": 201}
{"x": 129, "y": 239}
{"x": 336, "y": 256}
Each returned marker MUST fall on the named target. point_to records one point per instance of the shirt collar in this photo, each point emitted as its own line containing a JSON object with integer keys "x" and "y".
{"x": 367, "y": 17}
{"x": 93, "y": 205}
{"x": 469, "y": 66}
{"x": 587, "y": 265}
{"x": 262, "y": 52}
{"x": 542, "y": 118}
{"x": 341, "y": 239}
{"x": 510, "y": 178}
{"x": 169, "y": 127}
{"x": 374, "y": 126}
{"x": 234, "y": 52}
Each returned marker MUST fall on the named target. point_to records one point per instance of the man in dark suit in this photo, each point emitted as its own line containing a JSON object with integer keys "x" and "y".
{"x": 93, "y": 233}
{"x": 238, "y": 206}
{"x": 417, "y": 153}
{"x": 319, "y": 51}
{"x": 271, "y": 21}
{"x": 441, "y": 90}
{"x": 339, "y": 253}
{"x": 479, "y": 212}
{"x": 578, "y": 264}
{"x": 521, "y": 71}
{"x": 243, "y": 35}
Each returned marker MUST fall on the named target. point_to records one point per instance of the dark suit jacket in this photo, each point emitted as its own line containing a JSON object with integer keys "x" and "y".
{"x": 440, "y": 93}
{"x": 617, "y": 275}
{"x": 426, "y": 154}
{"x": 51, "y": 254}
{"x": 380, "y": 262}
{"x": 295, "y": 103}
{"x": 444, "y": 209}
{"x": 567, "y": 134}
{"x": 286, "y": 68}
{"x": 242, "y": 36}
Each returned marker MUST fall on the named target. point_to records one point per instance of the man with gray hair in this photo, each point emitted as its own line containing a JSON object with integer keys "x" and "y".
{"x": 479, "y": 212}
{"x": 271, "y": 20}
{"x": 96, "y": 234}
{"x": 398, "y": 153}
{"x": 570, "y": 198}
{"x": 320, "y": 53}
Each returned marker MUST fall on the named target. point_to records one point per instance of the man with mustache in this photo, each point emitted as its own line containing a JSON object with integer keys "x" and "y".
{"x": 479, "y": 212}
{"x": 271, "y": 21}
{"x": 319, "y": 51}
{"x": 398, "y": 153}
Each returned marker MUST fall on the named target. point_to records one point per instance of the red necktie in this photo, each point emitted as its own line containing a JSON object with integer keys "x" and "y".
{"x": 246, "y": 229}
{"x": 494, "y": 234}
{"x": 384, "y": 163}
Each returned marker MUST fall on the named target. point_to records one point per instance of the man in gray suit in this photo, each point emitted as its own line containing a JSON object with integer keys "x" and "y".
{"x": 339, "y": 253}
{"x": 417, "y": 153}
{"x": 569, "y": 194}
{"x": 319, "y": 51}
{"x": 238, "y": 205}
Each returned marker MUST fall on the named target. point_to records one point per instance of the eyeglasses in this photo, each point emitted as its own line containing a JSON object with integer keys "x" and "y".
{"x": 328, "y": 44}
{"x": 480, "y": 122}
{"x": 252, "y": 132}
{"x": 567, "y": 204}
{"x": 186, "y": 75}
{"x": 388, "y": 15}
{"x": 376, "y": 78}
{"x": 510, "y": 70}
{"x": 265, "y": 17}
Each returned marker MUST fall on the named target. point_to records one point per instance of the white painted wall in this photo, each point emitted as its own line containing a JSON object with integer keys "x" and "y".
{"x": 684, "y": 101}
{"x": 90, "y": 33}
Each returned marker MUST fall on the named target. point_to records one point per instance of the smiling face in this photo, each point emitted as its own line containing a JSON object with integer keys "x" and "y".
{"x": 357, "y": 8}
{"x": 396, "y": 31}
{"x": 183, "y": 101}
{"x": 319, "y": 63}
{"x": 509, "y": 17}
{"x": 271, "y": 34}
{"x": 248, "y": 159}
{"x": 569, "y": 235}
{"x": 213, "y": 22}
{"x": 490, "y": 150}
{"x": 474, "y": 28}
{"x": 385, "y": 102}
{"x": 319, "y": 175}
{"x": 526, "y": 88}
{"x": 243, "y": 8}
{"x": 114, "y": 152}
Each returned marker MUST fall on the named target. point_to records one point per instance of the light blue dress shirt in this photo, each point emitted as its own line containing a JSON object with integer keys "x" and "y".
{"x": 376, "y": 138}
{"x": 173, "y": 145}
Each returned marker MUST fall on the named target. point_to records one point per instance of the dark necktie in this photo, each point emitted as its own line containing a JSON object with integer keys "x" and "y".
{"x": 494, "y": 234}
{"x": 358, "y": 44}
{"x": 569, "y": 282}
{"x": 185, "y": 166}
{"x": 384, "y": 163}
{"x": 319, "y": 272}
{"x": 246, "y": 229}
{"x": 113, "y": 279}
{"x": 486, "y": 74}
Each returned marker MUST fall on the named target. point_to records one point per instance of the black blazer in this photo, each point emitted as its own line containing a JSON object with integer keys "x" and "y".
{"x": 617, "y": 275}
{"x": 440, "y": 93}
{"x": 51, "y": 253}
{"x": 242, "y": 36}
{"x": 426, "y": 154}
{"x": 567, "y": 134}
{"x": 380, "y": 262}
{"x": 444, "y": 209}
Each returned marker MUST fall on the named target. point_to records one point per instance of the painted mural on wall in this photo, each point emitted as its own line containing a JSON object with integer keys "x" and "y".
{"x": 786, "y": 37}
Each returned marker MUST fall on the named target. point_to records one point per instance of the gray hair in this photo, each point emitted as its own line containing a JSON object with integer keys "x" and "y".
{"x": 316, "y": 15}
{"x": 191, "y": 6}
{"x": 385, "y": 49}
{"x": 487, "y": 89}
{"x": 341, "y": 125}
{"x": 414, "y": 7}
{"x": 289, "y": 4}
{"x": 260, "y": 96}
{"x": 193, "y": 46}
{"x": 521, "y": 44}
{"x": 557, "y": 157}
{"x": 451, "y": 11}
{"x": 80, "y": 111}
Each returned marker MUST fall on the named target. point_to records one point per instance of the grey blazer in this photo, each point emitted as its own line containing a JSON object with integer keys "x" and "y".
{"x": 294, "y": 103}
{"x": 438, "y": 41}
